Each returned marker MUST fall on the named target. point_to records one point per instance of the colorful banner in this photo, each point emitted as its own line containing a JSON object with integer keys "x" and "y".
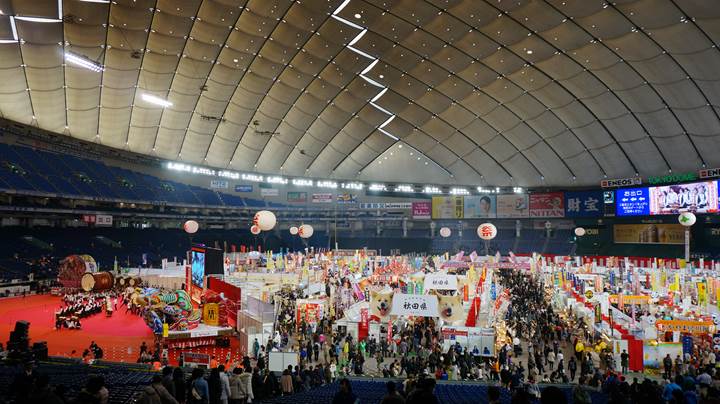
{"x": 447, "y": 207}
{"x": 551, "y": 204}
{"x": 699, "y": 197}
{"x": 584, "y": 204}
{"x": 297, "y": 197}
{"x": 649, "y": 233}
{"x": 422, "y": 210}
{"x": 346, "y": 198}
{"x": 686, "y": 326}
{"x": 479, "y": 206}
{"x": 322, "y": 198}
{"x": 630, "y": 299}
{"x": 363, "y": 327}
{"x": 512, "y": 205}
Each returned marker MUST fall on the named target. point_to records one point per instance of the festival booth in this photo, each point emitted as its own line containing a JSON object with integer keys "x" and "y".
{"x": 470, "y": 338}
{"x": 255, "y": 320}
{"x": 311, "y": 311}
{"x": 356, "y": 322}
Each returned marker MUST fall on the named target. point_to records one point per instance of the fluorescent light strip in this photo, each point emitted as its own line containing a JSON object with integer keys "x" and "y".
{"x": 96, "y": 1}
{"x": 358, "y": 37}
{"x": 380, "y": 94}
{"x": 359, "y": 52}
{"x": 381, "y": 109}
{"x": 384, "y": 124}
{"x": 341, "y": 7}
{"x": 370, "y": 66}
{"x": 60, "y": 9}
{"x": 350, "y": 23}
{"x": 83, "y": 61}
{"x": 156, "y": 100}
{"x": 37, "y": 19}
{"x": 13, "y": 27}
{"x": 2, "y": 41}
{"x": 388, "y": 134}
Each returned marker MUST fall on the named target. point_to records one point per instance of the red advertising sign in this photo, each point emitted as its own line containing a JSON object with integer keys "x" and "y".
{"x": 551, "y": 204}
{"x": 363, "y": 328}
{"x": 421, "y": 210}
{"x": 389, "y": 332}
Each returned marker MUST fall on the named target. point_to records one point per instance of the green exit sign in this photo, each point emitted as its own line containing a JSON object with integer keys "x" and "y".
{"x": 673, "y": 178}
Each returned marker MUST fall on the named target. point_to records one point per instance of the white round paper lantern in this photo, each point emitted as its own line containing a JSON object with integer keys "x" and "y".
{"x": 487, "y": 231}
{"x": 445, "y": 232}
{"x": 191, "y": 226}
{"x": 265, "y": 220}
{"x": 579, "y": 231}
{"x": 255, "y": 229}
{"x": 293, "y": 230}
{"x": 687, "y": 219}
{"x": 305, "y": 231}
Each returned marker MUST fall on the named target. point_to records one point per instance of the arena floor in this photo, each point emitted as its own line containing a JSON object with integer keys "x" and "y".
{"x": 120, "y": 336}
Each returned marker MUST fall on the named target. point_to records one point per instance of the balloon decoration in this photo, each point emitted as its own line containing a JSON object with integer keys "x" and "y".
{"x": 294, "y": 230}
{"x": 445, "y": 232}
{"x": 487, "y": 231}
{"x": 687, "y": 219}
{"x": 265, "y": 220}
{"x": 579, "y": 231}
{"x": 305, "y": 231}
{"x": 191, "y": 226}
{"x": 255, "y": 229}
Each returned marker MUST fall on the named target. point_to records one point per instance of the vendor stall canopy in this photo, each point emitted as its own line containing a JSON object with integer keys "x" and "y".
{"x": 487, "y": 92}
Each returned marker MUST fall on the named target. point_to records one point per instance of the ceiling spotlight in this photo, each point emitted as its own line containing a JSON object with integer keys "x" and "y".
{"x": 357, "y": 15}
{"x": 83, "y": 61}
{"x": 529, "y": 51}
{"x": 156, "y": 100}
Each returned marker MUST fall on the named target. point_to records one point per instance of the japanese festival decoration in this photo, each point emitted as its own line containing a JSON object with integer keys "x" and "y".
{"x": 255, "y": 229}
{"x": 191, "y": 227}
{"x": 414, "y": 305}
{"x": 445, "y": 232}
{"x": 687, "y": 219}
{"x": 487, "y": 231}
{"x": 305, "y": 231}
{"x": 294, "y": 230}
{"x": 579, "y": 231}
{"x": 172, "y": 308}
{"x": 265, "y": 220}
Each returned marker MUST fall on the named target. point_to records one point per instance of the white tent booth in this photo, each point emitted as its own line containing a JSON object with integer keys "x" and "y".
{"x": 350, "y": 323}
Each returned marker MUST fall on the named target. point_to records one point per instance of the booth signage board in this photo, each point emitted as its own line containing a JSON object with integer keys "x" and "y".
{"x": 414, "y": 305}
{"x": 686, "y": 326}
{"x": 440, "y": 281}
{"x": 279, "y": 361}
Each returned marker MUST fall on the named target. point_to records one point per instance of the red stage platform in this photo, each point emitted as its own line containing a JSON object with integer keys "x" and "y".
{"x": 120, "y": 336}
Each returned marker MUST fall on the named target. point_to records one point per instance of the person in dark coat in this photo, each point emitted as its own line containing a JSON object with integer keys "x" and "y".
{"x": 215, "y": 386}
{"x": 178, "y": 379}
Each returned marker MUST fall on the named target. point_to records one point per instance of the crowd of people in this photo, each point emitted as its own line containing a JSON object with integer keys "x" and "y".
{"x": 81, "y": 305}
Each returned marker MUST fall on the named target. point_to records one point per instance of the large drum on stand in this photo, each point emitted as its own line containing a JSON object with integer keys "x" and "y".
{"x": 97, "y": 281}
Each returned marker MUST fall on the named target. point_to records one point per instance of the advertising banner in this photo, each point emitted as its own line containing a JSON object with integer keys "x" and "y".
{"x": 513, "y": 205}
{"x": 447, "y": 207}
{"x": 322, "y": 198}
{"x": 584, "y": 204}
{"x": 269, "y": 192}
{"x": 346, "y": 198}
{"x": 698, "y": 197}
{"x": 479, "y": 206}
{"x": 422, "y": 210}
{"x": 414, "y": 305}
{"x": 243, "y": 188}
{"x": 219, "y": 184}
{"x": 364, "y": 325}
{"x": 620, "y": 182}
{"x": 649, "y": 233}
{"x": 551, "y": 204}
{"x": 385, "y": 205}
{"x": 103, "y": 220}
{"x": 297, "y": 197}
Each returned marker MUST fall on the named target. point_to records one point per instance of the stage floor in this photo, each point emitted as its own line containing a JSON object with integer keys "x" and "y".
{"x": 120, "y": 336}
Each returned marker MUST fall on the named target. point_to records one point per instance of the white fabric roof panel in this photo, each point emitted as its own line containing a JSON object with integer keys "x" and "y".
{"x": 527, "y": 89}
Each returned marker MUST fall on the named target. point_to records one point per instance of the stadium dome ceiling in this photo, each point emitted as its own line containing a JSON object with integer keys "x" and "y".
{"x": 496, "y": 92}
